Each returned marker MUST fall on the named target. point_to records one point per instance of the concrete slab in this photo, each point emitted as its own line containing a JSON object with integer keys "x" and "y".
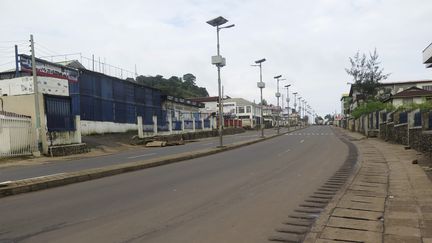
{"x": 402, "y": 230}
{"x": 426, "y": 228}
{"x": 427, "y": 240}
{"x": 351, "y": 235}
{"x": 355, "y": 198}
{"x": 401, "y": 239}
{"x": 360, "y": 214}
{"x": 402, "y": 222}
{"x": 402, "y": 208}
{"x": 368, "y": 225}
{"x": 378, "y": 207}
{"x": 401, "y": 215}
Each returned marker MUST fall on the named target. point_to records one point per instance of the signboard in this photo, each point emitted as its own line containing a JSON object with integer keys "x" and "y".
{"x": 48, "y": 69}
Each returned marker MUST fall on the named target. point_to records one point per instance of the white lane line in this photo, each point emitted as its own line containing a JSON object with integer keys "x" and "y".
{"x": 284, "y": 152}
{"x": 302, "y": 141}
{"x": 142, "y": 155}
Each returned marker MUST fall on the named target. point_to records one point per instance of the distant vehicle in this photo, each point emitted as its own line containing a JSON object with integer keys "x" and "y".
{"x": 319, "y": 121}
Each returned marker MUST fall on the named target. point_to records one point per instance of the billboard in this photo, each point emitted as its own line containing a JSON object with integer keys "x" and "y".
{"x": 48, "y": 69}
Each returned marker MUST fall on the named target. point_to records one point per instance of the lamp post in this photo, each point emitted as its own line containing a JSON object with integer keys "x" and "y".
{"x": 261, "y": 86}
{"x": 219, "y": 61}
{"x": 295, "y": 105}
{"x": 288, "y": 108}
{"x": 300, "y": 109}
{"x": 277, "y": 96}
{"x": 303, "y": 110}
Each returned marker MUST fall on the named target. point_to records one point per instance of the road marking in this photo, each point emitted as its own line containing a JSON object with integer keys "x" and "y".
{"x": 302, "y": 141}
{"x": 284, "y": 152}
{"x": 38, "y": 177}
{"x": 142, "y": 155}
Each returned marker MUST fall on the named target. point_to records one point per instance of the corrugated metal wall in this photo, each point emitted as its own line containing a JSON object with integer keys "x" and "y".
{"x": 105, "y": 98}
{"x": 58, "y": 110}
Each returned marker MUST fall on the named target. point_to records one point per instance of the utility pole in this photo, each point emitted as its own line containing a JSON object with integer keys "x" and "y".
{"x": 16, "y": 62}
{"x": 36, "y": 95}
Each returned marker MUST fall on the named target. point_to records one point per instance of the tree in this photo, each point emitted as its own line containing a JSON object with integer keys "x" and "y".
{"x": 264, "y": 102}
{"x": 175, "y": 86}
{"x": 366, "y": 73}
{"x": 329, "y": 117}
{"x": 189, "y": 79}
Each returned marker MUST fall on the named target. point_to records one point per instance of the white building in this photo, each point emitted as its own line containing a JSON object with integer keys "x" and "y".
{"x": 245, "y": 110}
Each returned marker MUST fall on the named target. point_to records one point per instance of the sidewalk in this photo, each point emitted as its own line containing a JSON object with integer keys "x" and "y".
{"x": 389, "y": 199}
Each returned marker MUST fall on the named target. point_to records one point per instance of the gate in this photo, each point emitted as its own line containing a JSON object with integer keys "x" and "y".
{"x": 15, "y": 135}
{"x": 59, "y": 113}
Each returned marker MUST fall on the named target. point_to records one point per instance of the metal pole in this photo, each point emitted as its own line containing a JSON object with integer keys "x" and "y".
{"x": 219, "y": 93}
{"x": 16, "y": 62}
{"x": 277, "y": 117}
{"x": 288, "y": 108}
{"x": 262, "y": 105}
{"x": 36, "y": 94}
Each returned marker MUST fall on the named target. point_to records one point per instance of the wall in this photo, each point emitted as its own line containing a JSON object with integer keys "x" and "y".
{"x": 420, "y": 137}
{"x": 108, "y": 99}
{"x": 24, "y": 104}
{"x": 100, "y": 127}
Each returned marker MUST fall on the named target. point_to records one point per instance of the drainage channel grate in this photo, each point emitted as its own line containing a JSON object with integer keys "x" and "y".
{"x": 299, "y": 222}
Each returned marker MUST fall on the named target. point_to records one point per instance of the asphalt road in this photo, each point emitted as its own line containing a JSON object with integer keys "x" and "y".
{"x": 240, "y": 195}
{"x": 140, "y": 153}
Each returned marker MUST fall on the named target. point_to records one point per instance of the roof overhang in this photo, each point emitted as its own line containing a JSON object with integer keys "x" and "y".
{"x": 427, "y": 56}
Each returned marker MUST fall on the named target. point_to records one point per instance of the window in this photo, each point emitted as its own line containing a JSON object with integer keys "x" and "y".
{"x": 241, "y": 109}
{"x": 427, "y": 87}
{"x": 248, "y": 109}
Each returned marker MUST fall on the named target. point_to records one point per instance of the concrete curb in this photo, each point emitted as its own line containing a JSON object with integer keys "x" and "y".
{"x": 318, "y": 226}
{"x": 61, "y": 179}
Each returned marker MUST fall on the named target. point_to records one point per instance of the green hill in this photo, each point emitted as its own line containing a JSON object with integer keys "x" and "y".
{"x": 180, "y": 87}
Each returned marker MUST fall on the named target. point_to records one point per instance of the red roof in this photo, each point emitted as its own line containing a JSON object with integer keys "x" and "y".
{"x": 412, "y": 92}
{"x": 204, "y": 99}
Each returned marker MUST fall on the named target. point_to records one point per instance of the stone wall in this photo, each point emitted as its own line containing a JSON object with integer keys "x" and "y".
{"x": 383, "y": 131}
{"x": 420, "y": 137}
{"x": 400, "y": 134}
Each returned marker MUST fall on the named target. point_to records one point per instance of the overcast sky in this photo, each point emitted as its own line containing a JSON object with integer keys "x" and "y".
{"x": 308, "y": 42}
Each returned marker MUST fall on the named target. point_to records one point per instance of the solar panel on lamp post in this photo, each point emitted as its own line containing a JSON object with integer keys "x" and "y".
{"x": 219, "y": 61}
{"x": 261, "y": 86}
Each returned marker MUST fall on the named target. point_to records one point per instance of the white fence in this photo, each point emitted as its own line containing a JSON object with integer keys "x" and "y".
{"x": 15, "y": 135}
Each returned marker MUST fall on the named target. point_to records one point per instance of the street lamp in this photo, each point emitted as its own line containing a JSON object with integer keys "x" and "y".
{"x": 300, "y": 109}
{"x": 277, "y": 96}
{"x": 295, "y": 105}
{"x": 288, "y": 108}
{"x": 261, "y": 86}
{"x": 219, "y": 61}
{"x": 303, "y": 110}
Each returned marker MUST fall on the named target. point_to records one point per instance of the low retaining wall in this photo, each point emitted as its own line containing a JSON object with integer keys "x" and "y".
{"x": 63, "y": 150}
{"x": 188, "y": 136}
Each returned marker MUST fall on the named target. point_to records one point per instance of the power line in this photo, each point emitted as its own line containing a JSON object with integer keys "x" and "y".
{"x": 14, "y": 41}
{"x": 3, "y": 64}
{"x": 46, "y": 49}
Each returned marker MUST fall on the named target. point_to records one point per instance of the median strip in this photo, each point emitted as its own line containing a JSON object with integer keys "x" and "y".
{"x": 44, "y": 182}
